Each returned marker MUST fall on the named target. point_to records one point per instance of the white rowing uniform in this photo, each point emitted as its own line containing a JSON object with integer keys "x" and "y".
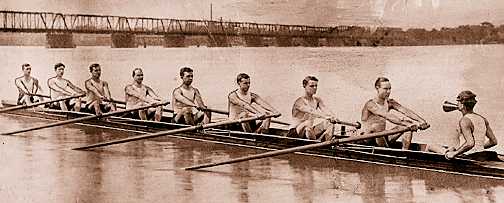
{"x": 300, "y": 116}
{"x": 189, "y": 94}
{"x": 236, "y": 110}
{"x": 30, "y": 86}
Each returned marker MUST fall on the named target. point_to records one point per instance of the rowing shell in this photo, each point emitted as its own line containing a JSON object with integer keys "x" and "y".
{"x": 277, "y": 140}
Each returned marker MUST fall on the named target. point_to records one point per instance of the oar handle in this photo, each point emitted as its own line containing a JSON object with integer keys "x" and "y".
{"x": 357, "y": 124}
{"x": 39, "y": 95}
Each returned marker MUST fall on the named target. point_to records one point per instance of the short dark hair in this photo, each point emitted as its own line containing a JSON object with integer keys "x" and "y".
{"x": 242, "y": 76}
{"x": 135, "y": 69}
{"x": 468, "y": 99}
{"x": 58, "y": 65}
{"x": 24, "y": 66}
{"x": 94, "y": 65}
{"x": 185, "y": 70}
{"x": 307, "y": 79}
{"x": 380, "y": 80}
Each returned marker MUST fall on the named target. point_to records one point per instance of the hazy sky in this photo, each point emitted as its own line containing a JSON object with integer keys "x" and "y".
{"x": 399, "y": 13}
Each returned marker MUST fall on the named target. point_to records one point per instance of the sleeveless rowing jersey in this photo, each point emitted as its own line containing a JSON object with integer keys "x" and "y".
{"x": 234, "y": 109}
{"x": 299, "y": 116}
{"x": 63, "y": 85}
{"x": 189, "y": 94}
{"x": 369, "y": 118}
{"x": 479, "y": 133}
{"x": 30, "y": 86}
{"x": 131, "y": 100}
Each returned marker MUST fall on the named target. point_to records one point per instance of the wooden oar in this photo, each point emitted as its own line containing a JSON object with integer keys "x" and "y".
{"x": 81, "y": 119}
{"x": 301, "y": 148}
{"x": 170, "y": 132}
{"x": 206, "y": 109}
{"x": 39, "y": 95}
{"x": 25, "y": 106}
{"x": 357, "y": 125}
{"x": 124, "y": 103}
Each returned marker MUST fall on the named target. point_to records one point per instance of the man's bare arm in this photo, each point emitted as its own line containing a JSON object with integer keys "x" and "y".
{"x": 373, "y": 108}
{"x": 89, "y": 86}
{"x": 265, "y": 105}
{"x": 233, "y": 98}
{"x": 492, "y": 140}
{"x": 177, "y": 94}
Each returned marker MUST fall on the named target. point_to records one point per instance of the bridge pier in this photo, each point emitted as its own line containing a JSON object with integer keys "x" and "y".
{"x": 174, "y": 40}
{"x": 253, "y": 41}
{"x": 284, "y": 41}
{"x": 305, "y": 41}
{"x": 60, "y": 40}
{"x": 335, "y": 42}
{"x": 123, "y": 40}
{"x": 218, "y": 41}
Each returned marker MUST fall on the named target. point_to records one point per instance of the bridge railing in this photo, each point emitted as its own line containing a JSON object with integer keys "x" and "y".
{"x": 18, "y": 21}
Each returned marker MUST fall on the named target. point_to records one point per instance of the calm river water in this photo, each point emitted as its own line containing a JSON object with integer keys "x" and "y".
{"x": 40, "y": 167}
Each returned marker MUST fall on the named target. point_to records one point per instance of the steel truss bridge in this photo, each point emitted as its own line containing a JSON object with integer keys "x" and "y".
{"x": 38, "y": 22}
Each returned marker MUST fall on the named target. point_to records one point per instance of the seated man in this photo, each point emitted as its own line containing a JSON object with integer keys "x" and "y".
{"x": 138, "y": 94}
{"x": 188, "y": 106}
{"x": 312, "y": 119}
{"x": 475, "y": 134}
{"x": 376, "y": 112}
{"x": 60, "y": 87}
{"x": 244, "y": 104}
{"x": 27, "y": 86}
{"x": 98, "y": 93}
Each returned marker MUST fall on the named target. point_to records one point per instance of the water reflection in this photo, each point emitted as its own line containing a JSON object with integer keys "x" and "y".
{"x": 39, "y": 167}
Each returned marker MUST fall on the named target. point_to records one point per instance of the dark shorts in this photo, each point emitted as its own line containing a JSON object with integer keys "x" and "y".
{"x": 104, "y": 108}
{"x": 56, "y": 105}
{"x": 135, "y": 115}
{"x": 238, "y": 127}
{"x": 182, "y": 120}
{"x": 293, "y": 133}
{"x": 32, "y": 100}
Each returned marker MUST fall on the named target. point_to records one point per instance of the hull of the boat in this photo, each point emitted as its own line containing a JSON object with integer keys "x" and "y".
{"x": 355, "y": 152}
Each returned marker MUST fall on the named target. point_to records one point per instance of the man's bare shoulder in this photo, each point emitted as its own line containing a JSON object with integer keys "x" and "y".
{"x": 465, "y": 122}
{"x": 369, "y": 103}
{"x": 232, "y": 93}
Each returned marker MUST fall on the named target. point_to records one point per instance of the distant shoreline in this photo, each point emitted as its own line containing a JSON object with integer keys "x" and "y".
{"x": 485, "y": 33}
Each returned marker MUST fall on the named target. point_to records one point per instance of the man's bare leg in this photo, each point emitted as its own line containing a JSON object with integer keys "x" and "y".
{"x": 63, "y": 105}
{"x": 77, "y": 106}
{"x": 158, "y": 114}
{"x": 142, "y": 114}
{"x": 264, "y": 126}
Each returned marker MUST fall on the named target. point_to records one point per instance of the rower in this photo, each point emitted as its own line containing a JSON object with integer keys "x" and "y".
{"x": 311, "y": 118}
{"x": 60, "y": 87}
{"x": 138, "y": 94}
{"x": 98, "y": 93}
{"x": 188, "y": 105}
{"x": 475, "y": 133}
{"x": 243, "y": 104}
{"x": 27, "y": 86}
{"x": 376, "y": 112}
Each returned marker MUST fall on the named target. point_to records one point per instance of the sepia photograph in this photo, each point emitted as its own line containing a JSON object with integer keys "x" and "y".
{"x": 251, "y": 101}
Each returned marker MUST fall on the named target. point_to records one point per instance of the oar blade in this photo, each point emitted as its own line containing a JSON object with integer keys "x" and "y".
{"x": 300, "y": 148}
